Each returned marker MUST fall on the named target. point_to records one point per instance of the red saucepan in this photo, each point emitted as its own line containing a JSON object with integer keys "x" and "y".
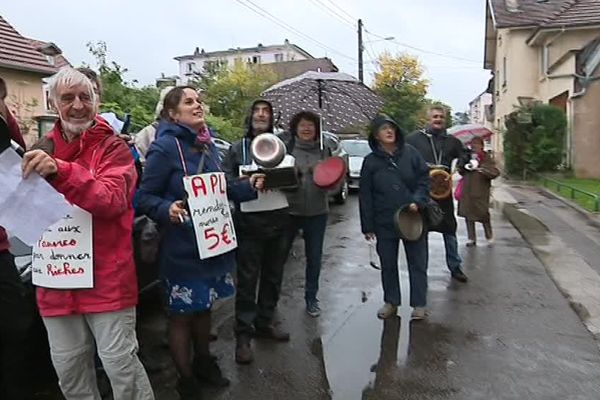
{"x": 329, "y": 173}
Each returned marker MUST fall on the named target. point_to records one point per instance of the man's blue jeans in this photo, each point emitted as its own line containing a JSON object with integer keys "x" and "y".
{"x": 453, "y": 260}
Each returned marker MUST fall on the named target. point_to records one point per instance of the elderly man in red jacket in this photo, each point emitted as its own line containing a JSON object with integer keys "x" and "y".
{"x": 16, "y": 308}
{"x": 94, "y": 170}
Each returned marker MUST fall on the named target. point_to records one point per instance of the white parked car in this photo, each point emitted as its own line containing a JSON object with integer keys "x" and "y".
{"x": 357, "y": 150}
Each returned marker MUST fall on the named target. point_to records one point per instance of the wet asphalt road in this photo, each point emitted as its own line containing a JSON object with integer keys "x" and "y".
{"x": 507, "y": 334}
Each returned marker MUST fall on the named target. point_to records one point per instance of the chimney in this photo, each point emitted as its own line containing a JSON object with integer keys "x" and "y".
{"x": 512, "y": 5}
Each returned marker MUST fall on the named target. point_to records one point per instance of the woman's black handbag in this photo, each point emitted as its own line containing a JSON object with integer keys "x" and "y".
{"x": 433, "y": 213}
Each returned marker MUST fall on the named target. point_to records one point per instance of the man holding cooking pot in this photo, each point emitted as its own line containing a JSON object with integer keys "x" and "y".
{"x": 394, "y": 191}
{"x": 439, "y": 149}
{"x": 262, "y": 246}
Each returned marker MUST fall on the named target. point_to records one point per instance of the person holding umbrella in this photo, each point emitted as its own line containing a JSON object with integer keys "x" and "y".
{"x": 474, "y": 201}
{"x": 309, "y": 204}
{"x": 394, "y": 177}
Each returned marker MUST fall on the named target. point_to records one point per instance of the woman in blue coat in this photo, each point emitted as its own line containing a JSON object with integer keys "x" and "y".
{"x": 184, "y": 147}
{"x": 394, "y": 176}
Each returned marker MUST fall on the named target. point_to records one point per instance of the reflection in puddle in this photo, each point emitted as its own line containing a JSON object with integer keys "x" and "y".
{"x": 358, "y": 351}
{"x": 366, "y": 358}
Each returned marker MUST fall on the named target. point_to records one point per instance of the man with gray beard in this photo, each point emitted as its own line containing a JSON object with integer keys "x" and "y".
{"x": 94, "y": 170}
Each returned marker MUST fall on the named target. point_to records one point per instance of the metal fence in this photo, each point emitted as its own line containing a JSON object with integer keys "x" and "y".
{"x": 573, "y": 190}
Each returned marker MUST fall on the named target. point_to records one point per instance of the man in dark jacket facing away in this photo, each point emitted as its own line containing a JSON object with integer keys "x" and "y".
{"x": 262, "y": 246}
{"x": 439, "y": 148}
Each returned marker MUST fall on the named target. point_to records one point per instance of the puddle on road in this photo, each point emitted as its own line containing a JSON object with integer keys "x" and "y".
{"x": 366, "y": 358}
{"x": 359, "y": 348}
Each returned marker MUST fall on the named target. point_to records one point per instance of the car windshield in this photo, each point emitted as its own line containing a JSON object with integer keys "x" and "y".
{"x": 358, "y": 148}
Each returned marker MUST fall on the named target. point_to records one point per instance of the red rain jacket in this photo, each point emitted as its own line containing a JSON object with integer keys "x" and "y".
{"x": 96, "y": 173}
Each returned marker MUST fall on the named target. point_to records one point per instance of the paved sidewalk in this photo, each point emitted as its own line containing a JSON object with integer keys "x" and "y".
{"x": 566, "y": 241}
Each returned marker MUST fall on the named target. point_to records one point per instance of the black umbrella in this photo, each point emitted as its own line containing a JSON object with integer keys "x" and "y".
{"x": 338, "y": 98}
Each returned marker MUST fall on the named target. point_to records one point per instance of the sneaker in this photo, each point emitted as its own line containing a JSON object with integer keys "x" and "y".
{"x": 418, "y": 314}
{"x": 313, "y": 309}
{"x": 243, "y": 350}
{"x": 206, "y": 370}
{"x": 490, "y": 242}
{"x": 388, "y": 310}
{"x": 471, "y": 243}
{"x": 459, "y": 275}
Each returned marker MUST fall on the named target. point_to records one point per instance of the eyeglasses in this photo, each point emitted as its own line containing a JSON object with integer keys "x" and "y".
{"x": 69, "y": 98}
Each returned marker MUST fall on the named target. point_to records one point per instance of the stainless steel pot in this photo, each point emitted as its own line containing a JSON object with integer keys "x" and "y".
{"x": 267, "y": 150}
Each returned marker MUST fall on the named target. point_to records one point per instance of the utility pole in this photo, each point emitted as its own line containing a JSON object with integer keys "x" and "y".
{"x": 360, "y": 51}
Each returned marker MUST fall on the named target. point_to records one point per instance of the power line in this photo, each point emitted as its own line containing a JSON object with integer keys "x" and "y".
{"x": 435, "y": 53}
{"x": 335, "y": 14}
{"x": 372, "y": 52}
{"x": 267, "y": 15}
{"x": 342, "y": 10}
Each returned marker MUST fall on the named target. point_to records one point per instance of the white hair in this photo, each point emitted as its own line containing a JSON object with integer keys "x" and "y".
{"x": 68, "y": 77}
{"x": 435, "y": 107}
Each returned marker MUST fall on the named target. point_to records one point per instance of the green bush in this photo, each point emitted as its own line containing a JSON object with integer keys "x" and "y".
{"x": 534, "y": 141}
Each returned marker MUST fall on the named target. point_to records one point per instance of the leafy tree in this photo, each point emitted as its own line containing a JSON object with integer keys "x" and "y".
{"x": 121, "y": 96}
{"x": 401, "y": 84}
{"x": 224, "y": 128}
{"x": 229, "y": 92}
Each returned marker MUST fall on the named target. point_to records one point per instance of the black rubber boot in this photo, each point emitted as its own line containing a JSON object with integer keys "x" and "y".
{"x": 208, "y": 371}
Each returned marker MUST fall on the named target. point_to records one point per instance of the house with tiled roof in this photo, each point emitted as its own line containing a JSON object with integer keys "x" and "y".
{"x": 24, "y": 65}
{"x": 536, "y": 51}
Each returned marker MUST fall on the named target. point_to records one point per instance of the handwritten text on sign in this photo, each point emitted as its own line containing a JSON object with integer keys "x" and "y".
{"x": 211, "y": 215}
{"x": 63, "y": 258}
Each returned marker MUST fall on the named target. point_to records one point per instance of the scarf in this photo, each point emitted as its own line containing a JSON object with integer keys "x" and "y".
{"x": 203, "y": 136}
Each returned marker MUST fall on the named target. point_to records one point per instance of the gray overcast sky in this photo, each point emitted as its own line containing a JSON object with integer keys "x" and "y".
{"x": 144, "y": 36}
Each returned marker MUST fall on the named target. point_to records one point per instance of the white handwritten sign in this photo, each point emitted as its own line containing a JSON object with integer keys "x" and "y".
{"x": 63, "y": 258}
{"x": 211, "y": 215}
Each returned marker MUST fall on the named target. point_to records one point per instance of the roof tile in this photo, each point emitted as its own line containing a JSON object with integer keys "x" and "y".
{"x": 18, "y": 52}
{"x": 550, "y": 13}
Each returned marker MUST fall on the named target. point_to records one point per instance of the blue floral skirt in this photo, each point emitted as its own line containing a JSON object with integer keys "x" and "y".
{"x": 189, "y": 296}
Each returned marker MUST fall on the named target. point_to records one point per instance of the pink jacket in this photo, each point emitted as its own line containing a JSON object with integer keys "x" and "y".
{"x": 96, "y": 172}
